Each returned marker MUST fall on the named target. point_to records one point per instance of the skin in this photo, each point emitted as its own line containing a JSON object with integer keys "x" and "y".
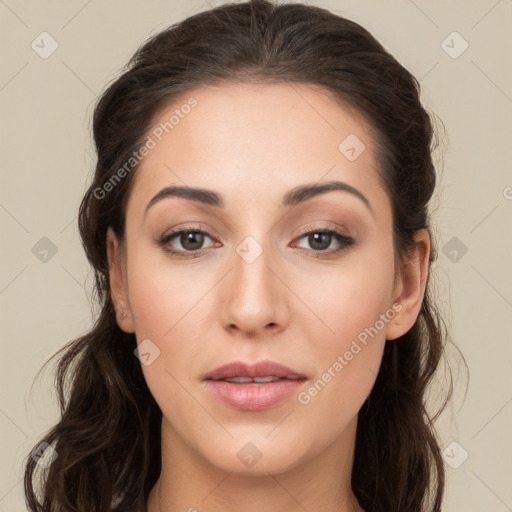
{"x": 252, "y": 144}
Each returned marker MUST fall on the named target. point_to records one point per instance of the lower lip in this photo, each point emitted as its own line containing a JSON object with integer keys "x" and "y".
{"x": 254, "y": 396}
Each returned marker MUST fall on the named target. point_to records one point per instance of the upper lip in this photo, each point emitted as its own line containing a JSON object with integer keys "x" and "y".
{"x": 260, "y": 369}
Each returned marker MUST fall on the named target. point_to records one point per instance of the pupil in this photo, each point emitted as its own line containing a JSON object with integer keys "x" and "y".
{"x": 189, "y": 238}
{"x": 316, "y": 238}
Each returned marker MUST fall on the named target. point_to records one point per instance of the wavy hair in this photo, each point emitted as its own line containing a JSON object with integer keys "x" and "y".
{"x": 108, "y": 435}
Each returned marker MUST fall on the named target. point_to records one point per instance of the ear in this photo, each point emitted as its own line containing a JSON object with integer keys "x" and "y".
{"x": 118, "y": 282}
{"x": 410, "y": 287}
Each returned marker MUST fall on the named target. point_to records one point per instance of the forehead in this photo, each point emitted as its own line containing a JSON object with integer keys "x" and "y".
{"x": 252, "y": 142}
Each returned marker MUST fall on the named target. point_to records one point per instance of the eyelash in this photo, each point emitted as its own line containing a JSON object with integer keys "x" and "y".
{"x": 344, "y": 240}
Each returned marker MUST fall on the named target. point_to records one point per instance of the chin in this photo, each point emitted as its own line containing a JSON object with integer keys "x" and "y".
{"x": 256, "y": 455}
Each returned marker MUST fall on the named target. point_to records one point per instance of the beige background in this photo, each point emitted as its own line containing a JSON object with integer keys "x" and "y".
{"x": 47, "y": 160}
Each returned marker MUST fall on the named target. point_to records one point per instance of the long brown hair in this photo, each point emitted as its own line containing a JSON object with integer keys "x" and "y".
{"x": 108, "y": 438}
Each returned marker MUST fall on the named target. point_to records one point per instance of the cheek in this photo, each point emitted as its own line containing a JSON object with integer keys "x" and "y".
{"x": 335, "y": 397}
{"x": 353, "y": 305}
{"x": 161, "y": 292}
{"x": 346, "y": 300}
{"x": 167, "y": 305}
{"x": 168, "y": 310}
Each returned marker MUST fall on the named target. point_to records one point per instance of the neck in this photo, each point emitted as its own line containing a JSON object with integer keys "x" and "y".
{"x": 188, "y": 482}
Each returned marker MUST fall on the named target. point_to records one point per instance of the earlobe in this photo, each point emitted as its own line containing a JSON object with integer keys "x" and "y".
{"x": 117, "y": 279}
{"x": 412, "y": 282}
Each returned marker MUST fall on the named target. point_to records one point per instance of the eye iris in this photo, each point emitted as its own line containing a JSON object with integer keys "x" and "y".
{"x": 316, "y": 238}
{"x": 190, "y": 236}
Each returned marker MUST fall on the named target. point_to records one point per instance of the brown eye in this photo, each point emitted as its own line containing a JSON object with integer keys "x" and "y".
{"x": 320, "y": 241}
{"x": 191, "y": 240}
{"x": 184, "y": 241}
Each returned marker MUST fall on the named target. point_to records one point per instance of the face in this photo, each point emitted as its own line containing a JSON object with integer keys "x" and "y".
{"x": 261, "y": 272}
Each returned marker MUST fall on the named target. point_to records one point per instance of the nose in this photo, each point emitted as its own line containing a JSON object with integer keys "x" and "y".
{"x": 254, "y": 296}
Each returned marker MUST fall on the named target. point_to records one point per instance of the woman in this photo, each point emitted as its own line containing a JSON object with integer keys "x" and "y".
{"x": 258, "y": 225}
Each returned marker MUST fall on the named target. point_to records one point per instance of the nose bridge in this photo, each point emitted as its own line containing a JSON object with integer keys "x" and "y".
{"x": 252, "y": 298}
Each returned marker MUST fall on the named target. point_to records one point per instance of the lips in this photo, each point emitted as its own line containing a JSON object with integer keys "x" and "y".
{"x": 263, "y": 371}
{"x": 254, "y": 387}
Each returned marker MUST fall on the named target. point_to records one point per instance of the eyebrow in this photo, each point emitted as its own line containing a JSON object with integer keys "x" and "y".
{"x": 293, "y": 197}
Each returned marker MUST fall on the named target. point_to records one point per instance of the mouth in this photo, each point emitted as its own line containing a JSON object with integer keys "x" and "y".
{"x": 259, "y": 380}
{"x": 253, "y": 387}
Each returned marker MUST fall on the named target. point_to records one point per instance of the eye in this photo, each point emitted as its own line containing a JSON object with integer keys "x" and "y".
{"x": 190, "y": 240}
{"x": 321, "y": 241}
